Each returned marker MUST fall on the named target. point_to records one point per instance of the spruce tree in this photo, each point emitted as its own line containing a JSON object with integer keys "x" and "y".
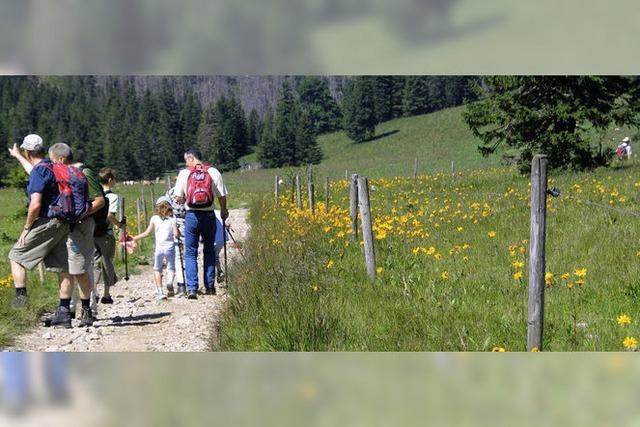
{"x": 316, "y": 100}
{"x": 307, "y": 145}
{"x": 416, "y": 96}
{"x": 358, "y": 108}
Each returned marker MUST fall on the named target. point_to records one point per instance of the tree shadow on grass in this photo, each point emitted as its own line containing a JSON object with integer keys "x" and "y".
{"x": 382, "y": 135}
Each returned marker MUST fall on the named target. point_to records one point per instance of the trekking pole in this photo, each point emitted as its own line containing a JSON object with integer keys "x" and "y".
{"x": 184, "y": 279}
{"x": 226, "y": 270}
{"x": 230, "y": 230}
{"x": 123, "y": 221}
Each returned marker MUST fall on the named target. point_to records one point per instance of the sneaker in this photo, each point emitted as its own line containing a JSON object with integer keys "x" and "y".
{"x": 86, "y": 317}
{"x": 170, "y": 292}
{"x": 160, "y": 296}
{"x": 62, "y": 318}
{"x": 210, "y": 291}
{"x": 19, "y": 301}
{"x": 106, "y": 300}
{"x": 192, "y": 295}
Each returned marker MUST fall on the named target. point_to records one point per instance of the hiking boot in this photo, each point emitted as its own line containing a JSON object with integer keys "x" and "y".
{"x": 181, "y": 291}
{"x": 192, "y": 295}
{"x": 170, "y": 291}
{"x": 62, "y": 318}
{"x": 86, "y": 317}
{"x": 210, "y": 291}
{"x": 19, "y": 301}
{"x": 106, "y": 300}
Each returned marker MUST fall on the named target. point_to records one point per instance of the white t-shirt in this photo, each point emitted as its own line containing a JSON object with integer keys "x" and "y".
{"x": 164, "y": 231}
{"x": 113, "y": 203}
{"x": 219, "y": 190}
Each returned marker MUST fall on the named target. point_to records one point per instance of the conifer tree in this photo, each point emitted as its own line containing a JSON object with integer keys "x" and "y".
{"x": 359, "y": 109}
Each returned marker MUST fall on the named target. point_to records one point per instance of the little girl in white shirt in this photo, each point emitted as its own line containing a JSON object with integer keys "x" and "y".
{"x": 163, "y": 223}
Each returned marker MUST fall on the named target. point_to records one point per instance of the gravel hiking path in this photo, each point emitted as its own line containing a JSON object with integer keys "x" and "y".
{"x": 136, "y": 322}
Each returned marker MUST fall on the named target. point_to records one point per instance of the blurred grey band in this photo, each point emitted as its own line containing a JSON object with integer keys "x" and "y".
{"x": 317, "y": 37}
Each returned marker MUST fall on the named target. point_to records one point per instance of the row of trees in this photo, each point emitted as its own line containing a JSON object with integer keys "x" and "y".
{"x": 143, "y": 133}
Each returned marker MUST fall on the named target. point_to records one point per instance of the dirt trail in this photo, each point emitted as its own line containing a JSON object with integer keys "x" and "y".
{"x": 137, "y": 322}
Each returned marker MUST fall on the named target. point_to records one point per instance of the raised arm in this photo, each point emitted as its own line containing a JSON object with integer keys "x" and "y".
{"x": 15, "y": 152}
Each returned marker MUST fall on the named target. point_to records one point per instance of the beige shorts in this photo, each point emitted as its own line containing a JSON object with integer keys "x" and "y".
{"x": 46, "y": 242}
{"x": 80, "y": 247}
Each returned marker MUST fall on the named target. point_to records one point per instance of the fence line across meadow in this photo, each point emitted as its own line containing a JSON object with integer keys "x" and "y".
{"x": 359, "y": 202}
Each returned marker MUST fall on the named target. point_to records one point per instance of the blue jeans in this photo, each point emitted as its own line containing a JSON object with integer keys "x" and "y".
{"x": 196, "y": 224}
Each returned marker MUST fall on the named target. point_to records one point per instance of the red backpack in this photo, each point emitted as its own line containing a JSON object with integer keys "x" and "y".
{"x": 621, "y": 152}
{"x": 199, "y": 187}
{"x": 72, "y": 203}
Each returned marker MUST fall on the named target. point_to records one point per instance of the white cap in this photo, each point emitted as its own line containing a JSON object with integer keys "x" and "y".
{"x": 625, "y": 139}
{"x": 162, "y": 199}
{"x": 32, "y": 142}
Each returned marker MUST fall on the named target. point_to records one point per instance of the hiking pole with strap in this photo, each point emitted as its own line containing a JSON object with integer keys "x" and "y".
{"x": 184, "y": 279}
{"x": 226, "y": 270}
{"x": 123, "y": 221}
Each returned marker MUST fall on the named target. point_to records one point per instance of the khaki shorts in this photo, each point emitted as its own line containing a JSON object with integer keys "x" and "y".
{"x": 80, "y": 247}
{"x": 46, "y": 242}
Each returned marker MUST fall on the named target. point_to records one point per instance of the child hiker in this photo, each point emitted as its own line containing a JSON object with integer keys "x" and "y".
{"x": 163, "y": 223}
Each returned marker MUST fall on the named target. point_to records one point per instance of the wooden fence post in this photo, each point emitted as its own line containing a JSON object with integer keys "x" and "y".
{"x": 312, "y": 197}
{"x": 138, "y": 222}
{"x": 415, "y": 168}
{"x": 535, "y": 320}
{"x": 367, "y": 230}
{"x": 453, "y": 169}
{"x": 277, "y": 189}
{"x": 326, "y": 194}
{"x": 41, "y": 272}
{"x": 153, "y": 197}
{"x": 346, "y": 175}
{"x": 353, "y": 206}
{"x": 298, "y": 192}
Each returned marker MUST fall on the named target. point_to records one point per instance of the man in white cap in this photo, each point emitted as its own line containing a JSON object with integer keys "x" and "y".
{"x": 44, "y": 237}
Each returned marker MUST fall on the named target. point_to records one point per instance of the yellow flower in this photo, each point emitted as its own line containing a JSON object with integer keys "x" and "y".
{"x": 548, "y": 278}
{"x": 275, "y": 242}
{"x": 459, "y": 229}
{"x": 379, "y": 270}
{"x": 535, "y": 350}
{"x": 517, "y": 275}
{"x": 315, "y": 288}
{"x": 498, "y": 349}
{"x": 517, "y": 264}
{"x": 327, "y": 229}
{"x": 329, "y": 264}
{"x": 623, "y": 319}
{"x": 438, "y": 256}
{"x": 444, "y": 275}
{"x": 491, "y": 234}
{"x": 630, "y": 343}
{"x": 580, "y": 272}
{"x": 565, "y": 276}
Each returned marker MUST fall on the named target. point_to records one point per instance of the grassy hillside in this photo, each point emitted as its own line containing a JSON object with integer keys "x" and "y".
{"x": 436, "y": 139}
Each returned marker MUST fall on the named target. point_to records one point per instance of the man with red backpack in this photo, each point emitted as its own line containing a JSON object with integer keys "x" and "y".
{"x": 196, "y": 186}
{"x": 44, "y": 235}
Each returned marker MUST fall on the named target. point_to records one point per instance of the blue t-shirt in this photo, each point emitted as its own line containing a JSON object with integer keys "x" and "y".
{"x": 42, "y": 180}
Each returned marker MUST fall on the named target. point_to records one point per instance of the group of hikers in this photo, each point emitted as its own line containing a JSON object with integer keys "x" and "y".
{"x": 72, "y": 213}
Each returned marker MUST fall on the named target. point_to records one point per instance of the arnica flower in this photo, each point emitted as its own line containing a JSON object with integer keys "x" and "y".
{"x": 329, "y": 264}
{"x": 565, "y": 276}
{"x": 517, "y": 264}
{"x": 498, "y": 349}
{"x": 379, "y": 270}
{"x": 623, "y": 320}
{"x": 517, "y": 275}
{"x": 630, "y": 343}
{"x": 535, "y": 350}
{"x": 444, "y": 275}
{"x": 580, "y": 272}
{"x": 491, "y": 234}
{"x": 275, "y": 242}
{"x": 548, "y": 278}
